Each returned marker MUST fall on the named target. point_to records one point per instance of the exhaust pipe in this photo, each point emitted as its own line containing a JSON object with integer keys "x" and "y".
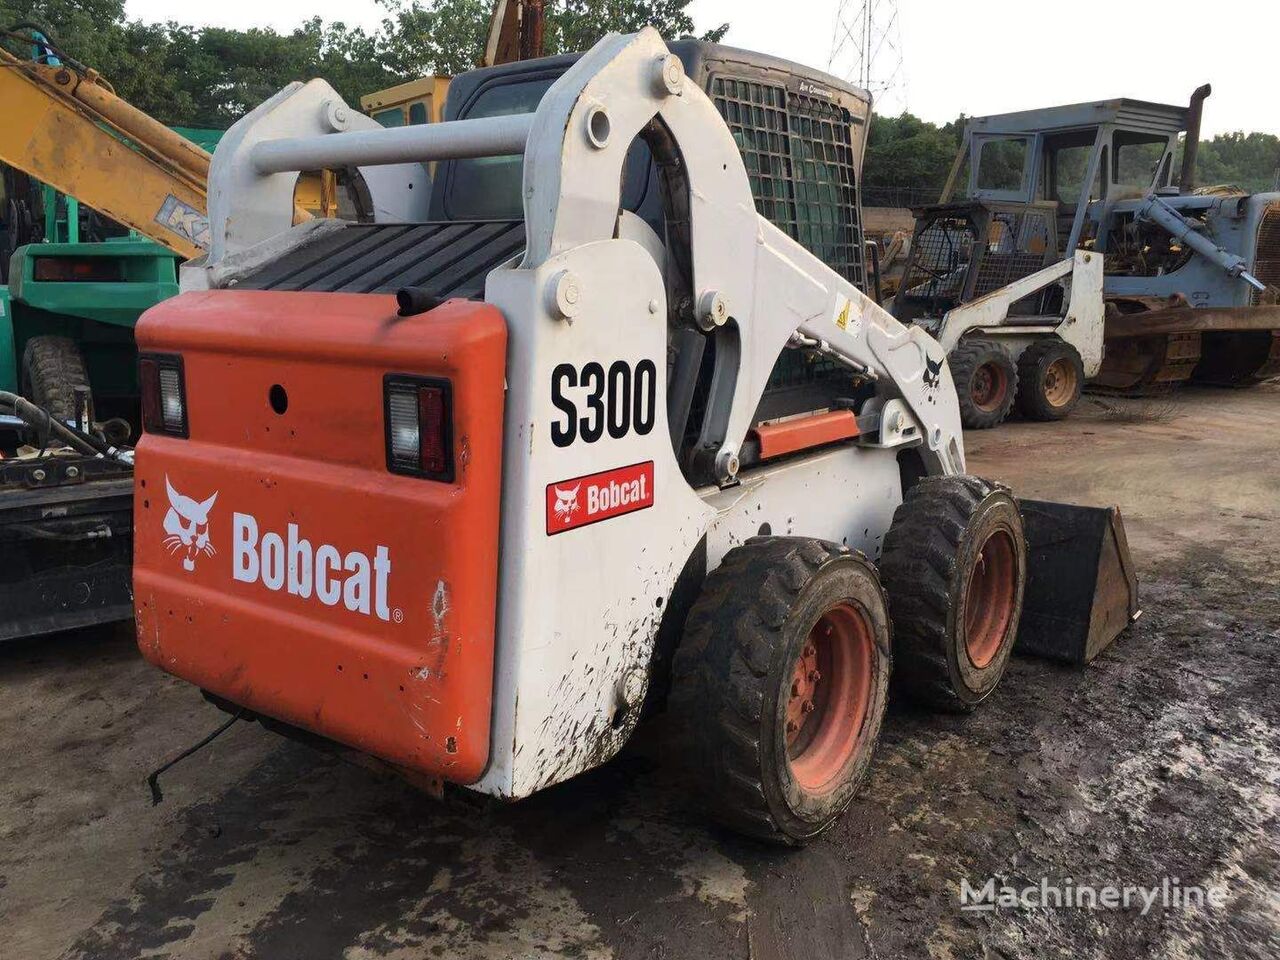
{"x": 1186, "y": 179}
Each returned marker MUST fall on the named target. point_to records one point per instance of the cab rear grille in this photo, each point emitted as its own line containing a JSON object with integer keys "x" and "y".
{"x": 798, "y": 151}
{"x": 1266, "y": 266}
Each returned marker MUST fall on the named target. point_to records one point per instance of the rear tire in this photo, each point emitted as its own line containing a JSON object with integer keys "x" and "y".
{"x": 954, "y": 565}
{"x": 1050, "y": 379}
{"x": 52, "y": 368}
{"x": 781, "y": 683}
{"x": 986, "y": 382}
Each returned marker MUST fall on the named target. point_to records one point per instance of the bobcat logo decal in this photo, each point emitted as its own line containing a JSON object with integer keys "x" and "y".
{"x": 186, "y": 526}
{"x": 932, "y": 372}
{"x": 567, "y": 503}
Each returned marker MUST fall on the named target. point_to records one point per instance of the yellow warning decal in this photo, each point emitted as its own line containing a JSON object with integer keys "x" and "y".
{"x": 842, "y": 318}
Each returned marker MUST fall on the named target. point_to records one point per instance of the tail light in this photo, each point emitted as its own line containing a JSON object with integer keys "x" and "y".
{"x": 164, "y": 394}
{"x": 78, "y": 270}
{"x": 419, "y": 422}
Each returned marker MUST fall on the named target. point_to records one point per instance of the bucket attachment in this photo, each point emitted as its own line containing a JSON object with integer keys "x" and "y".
{"x": 1081, "y": 590}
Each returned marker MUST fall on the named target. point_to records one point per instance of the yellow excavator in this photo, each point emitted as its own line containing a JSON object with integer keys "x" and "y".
{"x": 65, "y": 126}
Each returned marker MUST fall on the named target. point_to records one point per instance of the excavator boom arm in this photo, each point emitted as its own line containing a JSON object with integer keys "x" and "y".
{"x": 73, "y": 133}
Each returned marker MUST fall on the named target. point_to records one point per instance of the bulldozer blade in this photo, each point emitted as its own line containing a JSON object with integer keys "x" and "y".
{"x": 1081, "y": 590}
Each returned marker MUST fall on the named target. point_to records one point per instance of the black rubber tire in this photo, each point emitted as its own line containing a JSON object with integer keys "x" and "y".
{"x": 52, "y": 368}
{"x": 1033, "y": 369}
{"x": 732, "y": 676}
{"x": 966, "y": 360}
{"x": 929, "y": 554}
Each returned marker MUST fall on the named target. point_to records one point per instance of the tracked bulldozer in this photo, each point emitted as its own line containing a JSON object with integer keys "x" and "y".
{"x": 600, "y": 424}
{"x": 1188, "y": 279}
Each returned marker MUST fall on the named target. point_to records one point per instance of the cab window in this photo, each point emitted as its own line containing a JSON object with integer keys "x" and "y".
{"x": 489, "y": 188}
{"x": 1001, "y": 164}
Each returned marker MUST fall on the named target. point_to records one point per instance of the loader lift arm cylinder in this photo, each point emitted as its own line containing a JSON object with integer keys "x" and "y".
{"x": 1185, "y": 231}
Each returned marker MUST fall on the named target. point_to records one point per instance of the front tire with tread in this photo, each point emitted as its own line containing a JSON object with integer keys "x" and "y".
{"x": 949, "y": 652}
{"x": 1050, "y": 379}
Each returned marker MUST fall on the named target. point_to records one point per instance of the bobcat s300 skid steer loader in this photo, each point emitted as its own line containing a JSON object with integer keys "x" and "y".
{"x": 578, "y": 465}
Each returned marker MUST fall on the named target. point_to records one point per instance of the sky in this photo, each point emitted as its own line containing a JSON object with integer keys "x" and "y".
{"x": 941, "y": 58}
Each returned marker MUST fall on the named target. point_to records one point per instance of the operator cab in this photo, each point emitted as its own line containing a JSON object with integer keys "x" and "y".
{"x": 802, "y": 135}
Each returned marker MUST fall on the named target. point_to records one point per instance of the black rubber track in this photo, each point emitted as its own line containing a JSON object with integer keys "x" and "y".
{"x": 1033, "y": 363}
{"x": 1236, "y": 358}
{"x": 964, "y": 362}
{"x": 727, "y": 672}
{"x": 52, "y": 368}
{"x": 924, "y": 568}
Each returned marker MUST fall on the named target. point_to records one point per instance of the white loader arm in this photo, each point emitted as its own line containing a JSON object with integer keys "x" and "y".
{"x": 748, "y": 276}
{"x": 1081, "y": 323}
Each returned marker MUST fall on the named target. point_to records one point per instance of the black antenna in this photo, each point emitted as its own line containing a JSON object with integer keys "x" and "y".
{"x": 153, "y": 781}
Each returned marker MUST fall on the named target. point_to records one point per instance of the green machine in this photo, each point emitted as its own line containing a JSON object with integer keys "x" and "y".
{"x": 76, "y": 285}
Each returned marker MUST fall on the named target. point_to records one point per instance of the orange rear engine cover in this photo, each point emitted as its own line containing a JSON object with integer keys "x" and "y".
{"x": 279, "y": 564}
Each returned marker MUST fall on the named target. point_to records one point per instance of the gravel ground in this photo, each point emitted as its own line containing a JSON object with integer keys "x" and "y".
{"x": 1158, "y": 761}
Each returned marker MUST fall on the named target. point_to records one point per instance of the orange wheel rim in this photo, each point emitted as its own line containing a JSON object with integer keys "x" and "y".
{"x": 988, "y": 387}
{"x": 829, "y": 698}
{"x": 989, "y": 598}
{"x": 1060, "y": 383}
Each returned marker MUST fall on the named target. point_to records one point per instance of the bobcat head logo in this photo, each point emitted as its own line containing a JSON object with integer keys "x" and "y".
{"x": 186, "y": 526}
{"x": 566, "y": 503}
{"x": 932, "y": 372}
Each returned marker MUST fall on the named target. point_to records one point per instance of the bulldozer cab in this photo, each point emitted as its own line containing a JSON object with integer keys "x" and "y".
{"x": 1034, "y": 186}
{"x": 1077, "y": 157}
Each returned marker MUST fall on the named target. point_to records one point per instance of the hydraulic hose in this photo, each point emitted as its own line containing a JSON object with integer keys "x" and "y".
{"x": 40, "y": 419}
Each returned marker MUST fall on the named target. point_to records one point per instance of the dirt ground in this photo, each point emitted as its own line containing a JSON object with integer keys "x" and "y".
{"x": 1160, "y": 760}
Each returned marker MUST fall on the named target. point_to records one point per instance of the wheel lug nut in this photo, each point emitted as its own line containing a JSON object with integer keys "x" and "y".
{"x": 810, "y": 650}
{"x": 814, "y": 676}
{"x": 792, "y": 726}
{"x": 808, "y": 706}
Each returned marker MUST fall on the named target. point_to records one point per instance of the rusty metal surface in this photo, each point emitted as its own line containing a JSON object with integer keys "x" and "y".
{"x": 1155, "y": 344}
{"x": 1266, "y": 260}
{"x": 1140, "y": 366}
{"x": 1192, "y": 320}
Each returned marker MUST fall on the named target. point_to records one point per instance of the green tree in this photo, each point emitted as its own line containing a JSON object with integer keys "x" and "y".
{"x": 907, "y": 155}
{"x": 1251, "y": 161}
{"x": 210, "y": 77}
{"x": 448, "y": 36}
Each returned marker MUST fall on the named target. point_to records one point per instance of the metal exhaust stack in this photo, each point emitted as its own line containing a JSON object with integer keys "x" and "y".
{"x": 1186, "y": 179}
{"x": 1081, "y": 588}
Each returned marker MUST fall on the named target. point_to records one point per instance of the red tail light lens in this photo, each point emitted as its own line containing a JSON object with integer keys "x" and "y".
{"x": 77, "y": 270}
{"x": 433, "y": 429}
{"x": 419, "y": 425}
{"x": 162, "y": 382}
